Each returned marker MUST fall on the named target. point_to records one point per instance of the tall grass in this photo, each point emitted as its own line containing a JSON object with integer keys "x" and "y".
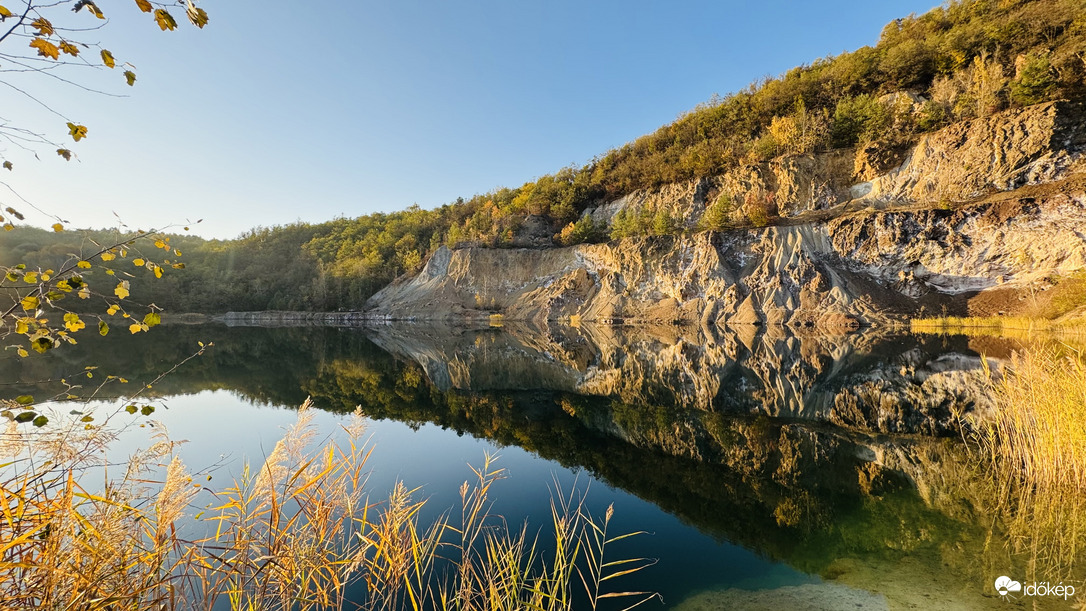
{"x": 991, "y": 325}
{"x": 300, "y": 532}
{"x": 1037, "y": 443}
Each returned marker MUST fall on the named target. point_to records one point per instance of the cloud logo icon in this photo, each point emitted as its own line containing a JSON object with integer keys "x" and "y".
{"x": 1005, "y": 585}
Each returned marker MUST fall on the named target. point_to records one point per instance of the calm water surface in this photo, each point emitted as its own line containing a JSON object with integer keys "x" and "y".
{"x": 824, "y": 467}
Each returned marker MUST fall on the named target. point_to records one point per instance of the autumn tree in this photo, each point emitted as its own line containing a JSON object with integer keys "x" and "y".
{"x": 44, "y": 307}
{"x": 53, "y": 38}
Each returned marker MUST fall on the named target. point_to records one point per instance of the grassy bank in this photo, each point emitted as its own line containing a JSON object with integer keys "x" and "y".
{"x": 1014, "y": 326}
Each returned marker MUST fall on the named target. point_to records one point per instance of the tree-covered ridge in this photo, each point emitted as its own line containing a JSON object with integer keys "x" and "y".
{"x": 965, "y": 59}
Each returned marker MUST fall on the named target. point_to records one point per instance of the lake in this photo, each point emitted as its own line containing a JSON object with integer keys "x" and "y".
{"x": 769, "y": 469}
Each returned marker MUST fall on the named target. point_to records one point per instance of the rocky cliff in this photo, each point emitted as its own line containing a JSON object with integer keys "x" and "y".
{"x": 976, "y": 218}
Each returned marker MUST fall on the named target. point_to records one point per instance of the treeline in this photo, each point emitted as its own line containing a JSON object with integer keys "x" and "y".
{"x": 963, "y": 60}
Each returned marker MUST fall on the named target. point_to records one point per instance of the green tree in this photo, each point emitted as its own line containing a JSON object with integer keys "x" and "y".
{"x": 718, "y": 215}
{"x": 858, "y": 120}
{"x": 663, "y": 223}
{"x": 584, "y": 230}
{"x": 1034, "y": 82}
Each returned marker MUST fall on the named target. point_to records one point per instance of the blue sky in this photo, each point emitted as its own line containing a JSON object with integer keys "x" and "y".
{"x": 285, "y": 111}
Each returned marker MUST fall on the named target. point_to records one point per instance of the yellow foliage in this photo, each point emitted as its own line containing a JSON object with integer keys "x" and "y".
{"x": 45, "y": 48}
{"x": 165, "y": 20}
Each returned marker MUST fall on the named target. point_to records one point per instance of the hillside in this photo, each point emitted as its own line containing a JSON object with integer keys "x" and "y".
{"x": 946, "y": 109}
{"x": 841, "y": 254}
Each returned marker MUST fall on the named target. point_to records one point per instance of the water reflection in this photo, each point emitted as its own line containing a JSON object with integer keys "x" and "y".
{"x": 839, "y": 456}
{"x": 874, "y": 382}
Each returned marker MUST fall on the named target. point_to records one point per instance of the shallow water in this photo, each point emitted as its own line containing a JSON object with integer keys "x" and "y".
{"x": 824, "y": 469}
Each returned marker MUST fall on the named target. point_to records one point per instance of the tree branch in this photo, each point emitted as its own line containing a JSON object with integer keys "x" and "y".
{"x": 29, "y": 6}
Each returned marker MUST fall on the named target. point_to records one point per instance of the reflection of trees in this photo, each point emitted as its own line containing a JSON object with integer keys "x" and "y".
{"x": 808, "y": 494}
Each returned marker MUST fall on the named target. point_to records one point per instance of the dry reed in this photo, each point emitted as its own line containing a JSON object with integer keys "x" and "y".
{"x": 1037, "y": 443}
{"x": 300, "y": 533}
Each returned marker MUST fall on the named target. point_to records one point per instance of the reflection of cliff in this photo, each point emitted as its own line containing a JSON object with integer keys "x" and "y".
{"x": 862, "y": 381}
{"x": 843, "y": 502}
{"x": 823, "y": 499}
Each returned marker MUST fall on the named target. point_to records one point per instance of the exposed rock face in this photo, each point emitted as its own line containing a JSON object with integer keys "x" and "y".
{"x": 776, "y": 276}
{"x": 796, "y": 184}
{"x": 853, "y": 270}
{"x": 1035, "y": 145}
{"x": 906, "y": 251}
{"x": 1028, "y": 146}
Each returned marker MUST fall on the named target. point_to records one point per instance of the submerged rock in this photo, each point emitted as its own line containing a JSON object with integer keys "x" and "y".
{"x": 809, "y": 597}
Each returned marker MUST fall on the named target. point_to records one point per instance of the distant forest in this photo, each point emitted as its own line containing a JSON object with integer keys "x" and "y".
{"x": 963, "y": 60}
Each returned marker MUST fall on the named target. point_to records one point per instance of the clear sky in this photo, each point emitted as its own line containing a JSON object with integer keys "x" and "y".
{"x": 284, "y": 111}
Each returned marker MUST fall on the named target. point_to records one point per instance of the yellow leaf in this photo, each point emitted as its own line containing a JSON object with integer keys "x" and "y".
{"x": 197, "y": 16}
{"x": 69, "y": 48}
{"x": 30, "y": 277}
{"x": 144, "y": 5}
{"x": 30, "y": 303}
{"x": 108, "y": 256}
{"x": 165, "y": 20}
{"x": 4, "y": 12}
{"x": 45, "y": 276}
{"x": 130, "y": 77}
{"x": 107, "y": 59}
{"x": 23, "y": 353}
{"x": 103, "y": 328}
{"x": 152, "y": 319}
{"x": 158, "y": 272}
{"x": 113, "y": 309}
{"x": 72, "y": 322}
{"x": 122, "y": 290}
{"x": 84, "y": 293}
{"x": 57, "y": 227}
{"x": 78, "y": 132}
{"x": 21, "y": 327}
{"x": 83, "y": 265}
{"x": 160, "y": 244}
{"x": 136, "y": 328}
{"x": 138, "y": 262}
{"x": 42, "y": 344}
{"x": 43, "y": 26}
{"x": 45, "y": 48}
{"x": 92, "y": 7}
{"x": 8, "y": 226}
{"x": 110, "y": 272}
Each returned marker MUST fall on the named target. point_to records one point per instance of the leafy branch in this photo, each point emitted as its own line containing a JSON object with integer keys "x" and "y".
{"x": 45, "y": 37}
